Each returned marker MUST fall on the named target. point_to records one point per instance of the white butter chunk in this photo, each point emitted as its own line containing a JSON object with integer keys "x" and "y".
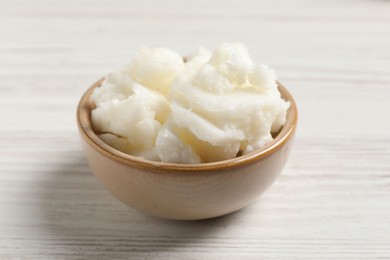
{"x": 172, "y": 148}
{"x": 156, "y": 68}
{"x": 129, "y": 118}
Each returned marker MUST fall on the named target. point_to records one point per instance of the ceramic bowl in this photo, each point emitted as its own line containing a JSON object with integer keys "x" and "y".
{"x": 183, "y": 191}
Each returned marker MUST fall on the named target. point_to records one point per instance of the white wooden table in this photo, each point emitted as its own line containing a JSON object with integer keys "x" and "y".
{"x": 331, "y": 201}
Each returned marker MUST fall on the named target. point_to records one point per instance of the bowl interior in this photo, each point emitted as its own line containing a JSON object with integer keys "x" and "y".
{"x": 86, "y": 130}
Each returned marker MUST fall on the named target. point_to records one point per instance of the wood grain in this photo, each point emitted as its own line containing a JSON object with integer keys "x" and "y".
{"x": 333, "y": 198}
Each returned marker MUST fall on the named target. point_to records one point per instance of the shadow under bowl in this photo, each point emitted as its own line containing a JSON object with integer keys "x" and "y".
{"x": 185, "y": 191}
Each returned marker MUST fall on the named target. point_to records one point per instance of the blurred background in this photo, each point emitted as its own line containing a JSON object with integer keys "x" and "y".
{"x": 333, "y": 197}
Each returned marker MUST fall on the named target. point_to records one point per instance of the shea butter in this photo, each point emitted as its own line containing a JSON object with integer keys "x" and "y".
{"x": 214, "y": 106}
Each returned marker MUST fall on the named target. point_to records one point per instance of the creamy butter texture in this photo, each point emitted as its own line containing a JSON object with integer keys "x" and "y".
{"x": 212, "y": 107}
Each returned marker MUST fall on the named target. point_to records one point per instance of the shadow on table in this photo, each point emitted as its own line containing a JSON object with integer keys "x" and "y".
{"x": 79, "y": 217}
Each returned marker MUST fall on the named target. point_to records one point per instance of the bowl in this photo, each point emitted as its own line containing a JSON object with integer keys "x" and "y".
{"x": 185, "y": 191}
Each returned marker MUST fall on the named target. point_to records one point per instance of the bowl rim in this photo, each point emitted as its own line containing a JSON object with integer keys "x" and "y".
{"x": 85, "y": 107}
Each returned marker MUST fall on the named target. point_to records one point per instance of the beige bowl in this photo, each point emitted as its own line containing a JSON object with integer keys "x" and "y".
{"x": 180, "y": 191}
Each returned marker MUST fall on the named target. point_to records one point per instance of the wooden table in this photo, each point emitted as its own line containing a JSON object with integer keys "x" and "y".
{"x": 331, "y": 201}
